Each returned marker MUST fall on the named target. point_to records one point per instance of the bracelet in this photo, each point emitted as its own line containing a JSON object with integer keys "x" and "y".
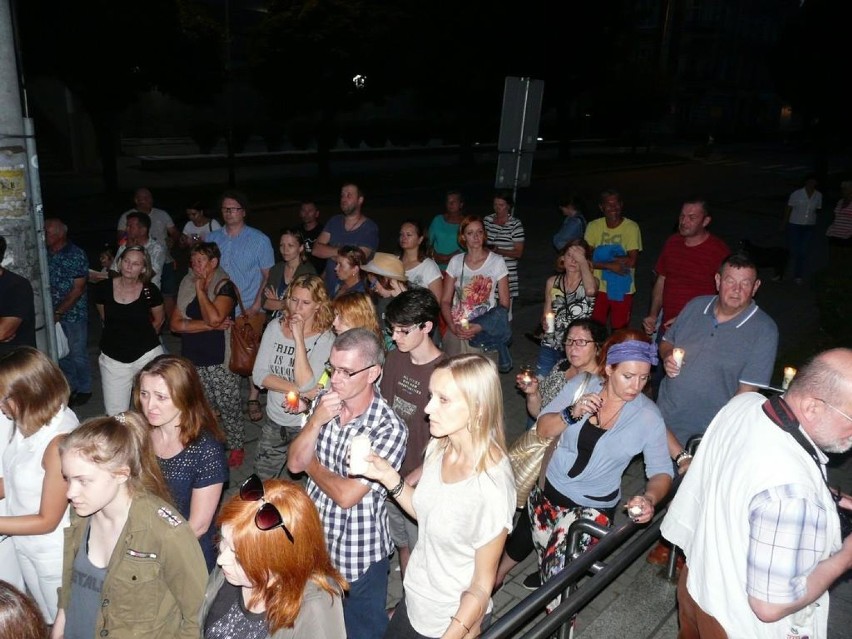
{"x": 568, "y": 416}
{"x": 459, "y": 621}
{"x": 682, "y": 455}
{"x": 396, "y": 490}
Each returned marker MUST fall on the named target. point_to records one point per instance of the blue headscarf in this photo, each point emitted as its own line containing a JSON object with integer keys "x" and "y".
{"x": 632, "y": 351}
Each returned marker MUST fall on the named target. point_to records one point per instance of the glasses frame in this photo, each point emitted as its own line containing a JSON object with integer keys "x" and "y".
{"x": 252, "y": 490}
{"x": 332, "y": 371}
{"x": 572, "y": 342}
{"x": 833, "y": 407}
{"x": 390, "y": 331}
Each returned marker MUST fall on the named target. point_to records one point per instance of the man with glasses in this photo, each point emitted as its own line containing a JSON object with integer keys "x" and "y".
{"x": 729, "y": 347}
{"x": 352, "y": 509}
{"x": 760, "y": 527}
{"x": 247, "y": 257}
{"x": 410, "y": 317}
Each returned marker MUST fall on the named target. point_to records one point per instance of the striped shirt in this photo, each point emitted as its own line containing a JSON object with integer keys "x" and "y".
{"x": 243, "y": 257}
{"x": 358, "y": 536}
{"x": 504, "y": 237}
{"x": 842, "y": 225}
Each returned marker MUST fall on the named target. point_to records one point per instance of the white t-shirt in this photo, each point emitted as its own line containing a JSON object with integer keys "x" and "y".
{"x": 476, "y": 290}
{"x": 455, "y": 520}
{"x": 803, "y": 208}
{"x": 201, "y": 231}
{"x": 159, "y": 231}
{"x": 424, "y": 273}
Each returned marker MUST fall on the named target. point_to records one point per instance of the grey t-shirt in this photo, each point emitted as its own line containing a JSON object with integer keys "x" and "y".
{"x": 718, "y": 358}
{"x": 87, "y": 580}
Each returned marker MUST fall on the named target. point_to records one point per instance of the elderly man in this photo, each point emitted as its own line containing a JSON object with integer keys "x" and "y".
{"x": 755, "y": 516}
{"x": 352, "y": 509}
{"x": 68, "y": 268}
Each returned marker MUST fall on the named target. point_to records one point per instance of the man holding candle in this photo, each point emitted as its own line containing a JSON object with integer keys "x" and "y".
{"x": 410, "y": 317}
{"x": 352, "y": 509}
{"x": 755, "y": 517}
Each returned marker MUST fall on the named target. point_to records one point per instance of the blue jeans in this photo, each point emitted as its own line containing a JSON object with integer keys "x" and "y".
{"x": 495, "y": 335}
{"x": 364, "y": 605}
{"x": 76, "y": 364}
{"x": 799, "y": 239}
{"x": 547, "y": 359}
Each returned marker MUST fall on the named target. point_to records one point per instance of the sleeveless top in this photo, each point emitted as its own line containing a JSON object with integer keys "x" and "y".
{"x": 566, "y": 307}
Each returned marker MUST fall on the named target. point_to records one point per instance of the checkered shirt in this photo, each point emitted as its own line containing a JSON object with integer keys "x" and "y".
{"x": 358, "y": 537}
{"x": 787, "y": 540}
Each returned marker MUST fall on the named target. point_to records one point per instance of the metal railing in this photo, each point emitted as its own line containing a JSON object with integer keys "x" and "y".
{"x": 565, "y": 582}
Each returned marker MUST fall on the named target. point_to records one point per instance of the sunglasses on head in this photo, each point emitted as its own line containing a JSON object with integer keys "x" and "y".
{"x": 268, "y": 516}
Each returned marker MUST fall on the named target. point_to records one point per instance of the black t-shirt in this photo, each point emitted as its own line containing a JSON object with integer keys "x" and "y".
{"x": 229, "y": 618}
{"x": 16, "y": 300}
{"x": 128, "y": 333}
{"x": 311, "y": 237}
{"x": 206, "y": 348}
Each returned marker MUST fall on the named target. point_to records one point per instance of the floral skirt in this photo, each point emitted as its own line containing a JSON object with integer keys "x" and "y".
{"x": 550, "y": 524}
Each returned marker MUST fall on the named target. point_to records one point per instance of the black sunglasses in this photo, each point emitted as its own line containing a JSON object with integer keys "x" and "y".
{"x": 268, "y": 516}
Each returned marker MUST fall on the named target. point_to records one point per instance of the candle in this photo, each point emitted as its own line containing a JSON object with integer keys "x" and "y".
{"x": 293, "y": 400}
{"x": 464, "y": 323}
{"x": 526, "y": 379}
{"x": 677, "y": 356}
{"x": 550, "y": 320}
{"x": 358, "y": 451}
{"x": 789, "y": 374}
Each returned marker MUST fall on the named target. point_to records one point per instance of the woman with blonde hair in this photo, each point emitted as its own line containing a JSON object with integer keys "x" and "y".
{"x": 466, "y": 480}
{"x": 132, "y": 566}
{"x": 355, "y": 310}
{"x": 186, "y": 440}
{"x": 131, "y": 309}
{"x": 290, "y": 361}
{"x": 34, "y": 396}
{"x": 275, "y": 578}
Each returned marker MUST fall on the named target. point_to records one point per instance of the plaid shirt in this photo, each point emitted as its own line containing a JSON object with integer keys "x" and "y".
{"x": 788, "y": 538}
{"x": 358, "y": 537}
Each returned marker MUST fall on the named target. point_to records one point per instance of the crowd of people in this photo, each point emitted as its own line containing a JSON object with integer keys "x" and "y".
{"x": 383, "y": 428}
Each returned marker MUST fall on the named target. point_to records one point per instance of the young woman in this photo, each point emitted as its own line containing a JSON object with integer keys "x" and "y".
{"x": 133, "y": 566}
{"x": 422, "y": 271}
{"x": 568, "y": 295}
{"x": 198, "y": 227}
{"x": 204, "y": 311}
{"x": 466, "y": 480}
{"x": 290, "y": 361}
{"x": 291, "y": 244}
{"x": 187, "y": 442}
{"x": 275, "y": 579}
{"x": 355, "y": 310}
{"x": 349, "y": 261}
{"x": 131, "y": 309}
{"x": 34, "y": 396}
{"x": 475, "y": 283}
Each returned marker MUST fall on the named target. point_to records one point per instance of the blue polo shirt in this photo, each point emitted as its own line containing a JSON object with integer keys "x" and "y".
{"x": 719, "y": 357}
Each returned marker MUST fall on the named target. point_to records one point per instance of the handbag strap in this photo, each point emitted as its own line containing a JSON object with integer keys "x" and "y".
{"x": 551, "y": 447}
{"x": 240, "y": 301}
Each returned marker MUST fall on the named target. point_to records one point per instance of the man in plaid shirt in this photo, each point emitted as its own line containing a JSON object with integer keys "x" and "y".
{"x": 352, "y": 509}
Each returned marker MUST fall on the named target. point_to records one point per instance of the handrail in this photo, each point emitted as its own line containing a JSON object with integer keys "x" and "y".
{"x": 587, "y": 561}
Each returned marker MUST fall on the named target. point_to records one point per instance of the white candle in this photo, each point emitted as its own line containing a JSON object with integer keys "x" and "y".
{"x": 550, "y": 320}
{"x": 464, "y": 323}
{"x": 789, "y": 374}
{"x": 358, "y": 451}
{"x": 677, "y": 356}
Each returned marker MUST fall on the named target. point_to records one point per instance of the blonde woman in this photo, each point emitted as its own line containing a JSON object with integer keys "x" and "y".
{"x": 463, "y": 504}
{"x": 291, "y": 359}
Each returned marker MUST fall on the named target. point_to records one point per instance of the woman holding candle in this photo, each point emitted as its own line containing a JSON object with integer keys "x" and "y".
{"x": 187, "y": 442}
{"x": 568, "y": 295}
{"x": 291, "y": 359}
{"x": 475, "y": 283}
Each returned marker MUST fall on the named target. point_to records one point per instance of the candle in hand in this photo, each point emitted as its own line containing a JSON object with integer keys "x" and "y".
{"x": 677, "y": 356}
{"x": 293, "y": 400}
{"x": 464, "y": 323}
{"x": 550, "y": 320}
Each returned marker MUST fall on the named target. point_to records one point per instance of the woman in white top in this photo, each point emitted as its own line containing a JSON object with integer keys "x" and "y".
{"x": 421, "y": 270}
{"x": 34, "y": 396}
{"x": 463, "y": 504}
{"x": 199, "y": 225}
{"x": 476, "y": 281}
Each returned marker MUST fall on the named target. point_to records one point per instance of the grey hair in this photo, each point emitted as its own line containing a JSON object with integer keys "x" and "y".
{"x": 364, "y": 341}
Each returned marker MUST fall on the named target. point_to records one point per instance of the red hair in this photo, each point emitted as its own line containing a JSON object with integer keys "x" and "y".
{"x": 277, "y": 568}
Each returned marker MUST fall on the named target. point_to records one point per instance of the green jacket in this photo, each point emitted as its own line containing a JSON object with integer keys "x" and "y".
{"x": 155, "y": 580}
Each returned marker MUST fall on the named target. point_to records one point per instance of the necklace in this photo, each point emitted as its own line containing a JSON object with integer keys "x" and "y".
{"x": 612, "y": 418}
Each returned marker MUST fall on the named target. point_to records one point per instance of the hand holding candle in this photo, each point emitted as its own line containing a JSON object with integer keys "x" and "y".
{"x": 789, "y": 374}
{"x": 464, "y": 323}
{"x": 292, "y": 400}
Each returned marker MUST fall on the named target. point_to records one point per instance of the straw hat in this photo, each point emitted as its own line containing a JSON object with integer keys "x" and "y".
{"x": 387, "y": 265}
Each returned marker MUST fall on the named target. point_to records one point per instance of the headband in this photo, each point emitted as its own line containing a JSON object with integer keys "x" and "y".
{"x": 632, "y": 351}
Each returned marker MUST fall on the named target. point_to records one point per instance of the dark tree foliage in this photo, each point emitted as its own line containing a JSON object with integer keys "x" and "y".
{"x": 109, "y": 52}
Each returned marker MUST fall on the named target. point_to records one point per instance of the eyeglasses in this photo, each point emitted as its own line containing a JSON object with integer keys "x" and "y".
{"x": 268, "y": 516}
{"x": 405, "y": 332}
{"x": 333, "y": 370}
{"x": 578, "y": 342}
{"x": 833, "y": 407}
{"x": 231, "y": 209}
